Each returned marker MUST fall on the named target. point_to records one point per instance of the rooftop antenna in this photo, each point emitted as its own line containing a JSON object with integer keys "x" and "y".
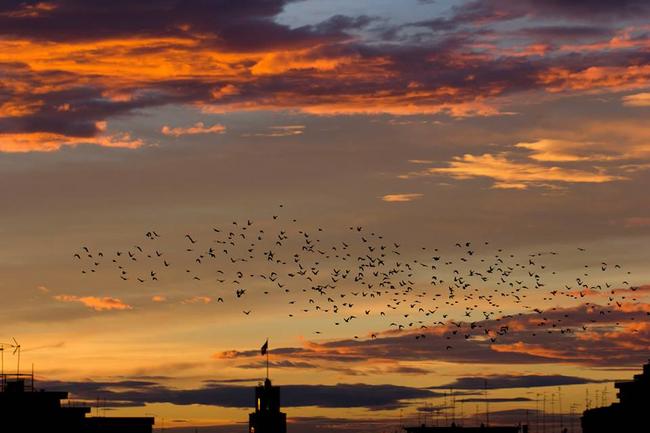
{"x": 559, "y": 403}
{"x": 487, "y": 406}
{"x": 17, "y": 350}
{"x": 544, "y": 413}
{"x": 445, "y": 409}
{"x": 453, "y": 406}
{"x": 527, "y": 418}
{"x": 537, "y": 404}
{"x": 572, "y": 420}
{"x": 552, "y": 414}
{"x": 2, "y": 355}
{"x": 2, "y": 374}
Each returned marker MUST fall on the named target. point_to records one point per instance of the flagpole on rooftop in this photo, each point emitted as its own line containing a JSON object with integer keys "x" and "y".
{"x": 267, "y": 360}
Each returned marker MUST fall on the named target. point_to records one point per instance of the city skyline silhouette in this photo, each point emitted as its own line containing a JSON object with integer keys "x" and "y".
{"x": 26, "y": 407}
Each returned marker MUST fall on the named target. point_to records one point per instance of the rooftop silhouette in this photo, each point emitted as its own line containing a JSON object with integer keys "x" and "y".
{"x": 629, "y": 415}
{"x": 24, "y": 408}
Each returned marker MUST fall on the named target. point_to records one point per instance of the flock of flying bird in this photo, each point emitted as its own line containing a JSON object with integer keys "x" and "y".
{"x": 358, "y": 273}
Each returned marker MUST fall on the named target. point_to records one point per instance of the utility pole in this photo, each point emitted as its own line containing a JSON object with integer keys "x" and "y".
{"x": 544, "y": 413}
{"x": 552, "y": 410}
{"x": 446, "y": 414}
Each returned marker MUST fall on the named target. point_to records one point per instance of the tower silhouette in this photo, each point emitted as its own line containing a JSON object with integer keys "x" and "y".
{"x": 267, "y": 417}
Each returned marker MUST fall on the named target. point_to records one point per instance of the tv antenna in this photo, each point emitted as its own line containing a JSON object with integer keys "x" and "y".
{"x": 16, "y": 347}
{"x": 2, "y": 355}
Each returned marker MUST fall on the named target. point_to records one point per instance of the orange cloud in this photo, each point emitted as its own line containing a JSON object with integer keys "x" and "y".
{"x": 32, "y": 11}
{"x": 400, "y": 198}
{"x": 533, "y": 349}
{"x": 629, "y": 307}
{"x": 48, "y": 142}
{"x": 518, "y": 175}
{"x": 197, "y": 128}
{"x": 330, "y": 73}
{"x": 95, "y": 303}
{"x": 637, "y": 100}
{"x": 228, "y": 354}
{"x": 420, "y": 161}
{"x": 549, "y": 150}
{"x": 622, "y": 41}
{"x": 330, "y": 105}
{"x": 115, "y": 59}
{"x": 224, "y": 91}
{"x": 611, "y": 78}
{"x": 19, "y": 108}
{"x": 280, "y": 62}
{"x": 198, "y": 300}
{"x": 280, "y": 131}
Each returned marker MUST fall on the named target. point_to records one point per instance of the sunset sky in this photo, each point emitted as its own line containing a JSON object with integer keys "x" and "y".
{"x": 518, "y": 127}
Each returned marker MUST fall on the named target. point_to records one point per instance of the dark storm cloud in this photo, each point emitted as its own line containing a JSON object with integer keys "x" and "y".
{"x": 514, "y": 381}
{"x": 232, "y": 25}
{"x": 481, "y": 12}
{"x": 138, "y": 393}
{"x": 554, "y": 32}
{"x": 499, "y": 10}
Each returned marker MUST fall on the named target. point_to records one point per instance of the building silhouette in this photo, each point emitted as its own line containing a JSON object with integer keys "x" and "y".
{"x": 23, "y": 408}
{"x": 267, "y": 417}
{"x": 629, "y": 415}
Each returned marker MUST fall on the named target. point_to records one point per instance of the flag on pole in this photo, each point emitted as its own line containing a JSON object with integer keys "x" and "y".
{"x": 265, "y": 347}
